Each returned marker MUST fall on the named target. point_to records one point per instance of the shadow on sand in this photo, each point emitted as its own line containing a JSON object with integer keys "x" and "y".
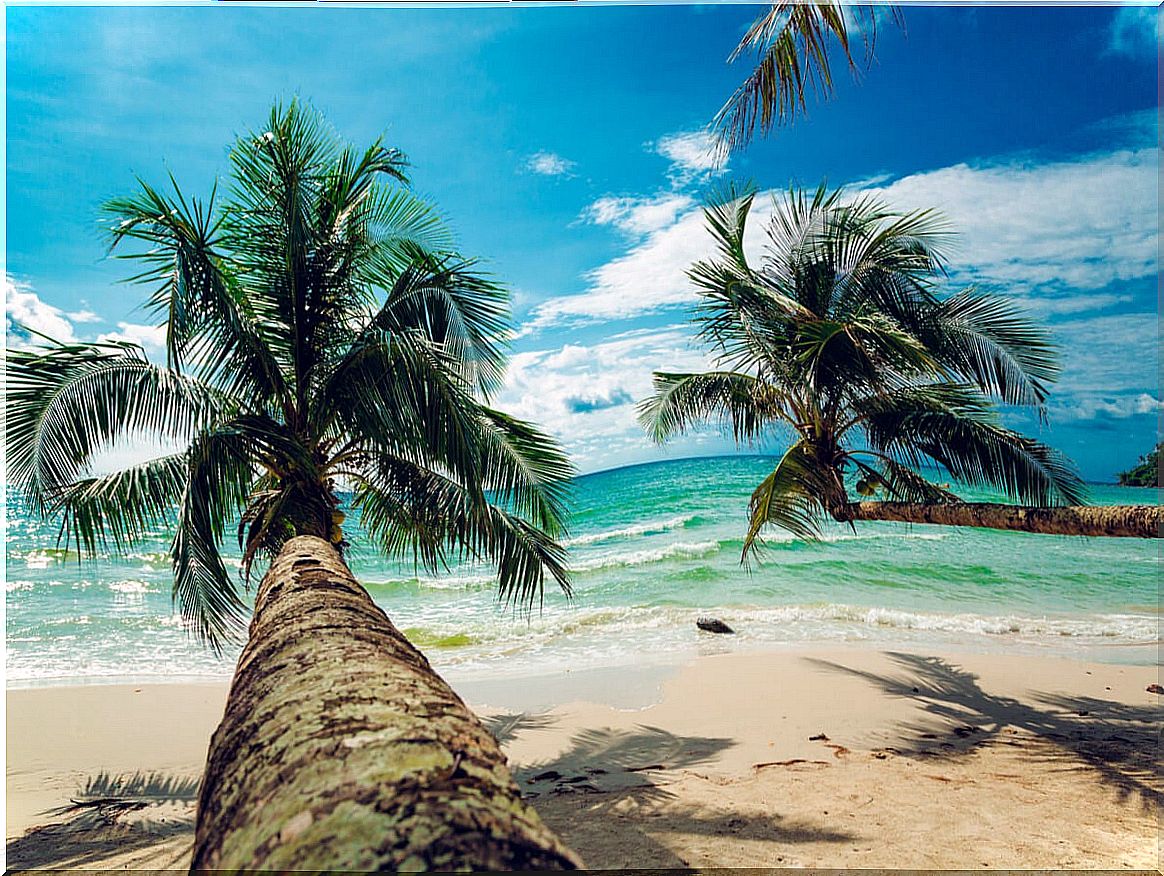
{"x": 1118, "y": 742}
{"x": 608, "y": 791}
{"x": 151, "y": 814}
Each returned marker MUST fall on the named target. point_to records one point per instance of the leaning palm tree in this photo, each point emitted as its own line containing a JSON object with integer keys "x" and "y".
{"x": 841, "y": 337}
{"x": 321, "y": 337}
{"x": 794, "y": 42}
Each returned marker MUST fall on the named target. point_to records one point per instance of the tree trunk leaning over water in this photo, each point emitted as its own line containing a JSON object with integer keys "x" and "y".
{"x": 1126, "y": 521}
{"x": 341, "y": 748}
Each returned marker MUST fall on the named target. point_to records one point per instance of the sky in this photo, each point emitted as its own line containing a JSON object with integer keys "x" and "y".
{"x": 567, "y": 147}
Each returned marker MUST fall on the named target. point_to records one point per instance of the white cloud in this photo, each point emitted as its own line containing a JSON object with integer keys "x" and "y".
{"x": 149, "y": 337}
{"x": 131, "y": 450}
{"x": 549, "y": 164}
{"x": 1040, "y": 231}
{"x": 1043, "y": 228}
{"x": 638, "y": 215}
{"x": 586, "y": 394}
{"x": 1104, "y": 407}
{"x": 1072, "y": 305}
{"x": 693, "y": 155}
{"x": 1134, "y": 30}
{"x": 23, "y": 310}
{"x": 83, "y": 316}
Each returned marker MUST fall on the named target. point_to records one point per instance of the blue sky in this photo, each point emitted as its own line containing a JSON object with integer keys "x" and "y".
{"x": 564, "y": 144}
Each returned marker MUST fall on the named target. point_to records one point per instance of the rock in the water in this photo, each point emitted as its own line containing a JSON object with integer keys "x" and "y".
{"x": 713, "y": 625}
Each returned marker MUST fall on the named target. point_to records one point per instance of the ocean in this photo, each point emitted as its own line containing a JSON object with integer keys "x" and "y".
{"x": 653, "y": 547}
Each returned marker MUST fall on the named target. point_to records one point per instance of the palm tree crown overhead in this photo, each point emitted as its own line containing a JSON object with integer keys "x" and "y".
{"x": 794, "y": 42}
{"x": 840, "y": 335}
{"x": 320, "y": 333}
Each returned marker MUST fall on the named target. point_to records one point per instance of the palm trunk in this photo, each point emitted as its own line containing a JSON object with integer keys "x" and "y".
{"x": 1126, "y": 521}
{"x": 341, "y": 749}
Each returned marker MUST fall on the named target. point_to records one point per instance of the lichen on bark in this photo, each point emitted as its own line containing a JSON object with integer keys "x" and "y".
{"x": 342, "y": 749}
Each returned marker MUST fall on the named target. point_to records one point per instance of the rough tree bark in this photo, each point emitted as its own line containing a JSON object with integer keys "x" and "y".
{"x": 1128, "y": 521}
{"x": 341, "y": 749}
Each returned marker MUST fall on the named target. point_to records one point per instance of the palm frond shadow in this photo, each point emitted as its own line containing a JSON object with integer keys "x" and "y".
{"x": 112, "y": 814}
{"x": 505, "y": 727}
{"x": 586, "y": 793}
{"x": 608, "y": 759}
{"x": 1117, "y": 742}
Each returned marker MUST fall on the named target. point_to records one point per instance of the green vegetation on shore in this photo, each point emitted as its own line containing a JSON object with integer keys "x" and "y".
{"x": 1146, "y": 473}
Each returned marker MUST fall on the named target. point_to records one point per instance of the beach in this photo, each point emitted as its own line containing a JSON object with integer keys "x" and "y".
{"x": 892, "y": 696}
{"x": 838, "y": 756}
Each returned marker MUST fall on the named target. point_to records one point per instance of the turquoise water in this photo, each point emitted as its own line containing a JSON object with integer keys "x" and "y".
{"x": 653, "y": 547}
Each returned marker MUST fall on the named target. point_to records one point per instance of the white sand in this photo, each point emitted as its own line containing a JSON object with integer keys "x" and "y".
{"x": 929, "y": 762}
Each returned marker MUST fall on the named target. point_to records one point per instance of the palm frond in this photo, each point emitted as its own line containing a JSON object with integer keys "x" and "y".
{"x": 125, "y": 506}
{"x": 900, "y": 482}
{"x": 680, "y": 401}
{"x": 65, "y": 402}
{"x": 794, "y": 41}
{"x": 795, "y": 496}
{"x": 524, "y": 470}
{"x": 410, "y": 510}
{"x": 989, "y": 341}
{"x": 218, "y": 478}
{"x": 954, "y": 426}
{"x": 452, "y": 305}
{"x": 210, "y": 321}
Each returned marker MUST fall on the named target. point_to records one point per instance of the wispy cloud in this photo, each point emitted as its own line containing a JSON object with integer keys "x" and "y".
{"x": 549, "y": 164}
{"x": 638, "y": 215}
{"x": 1109, "y": 367}
{"x": 85, "y": 315}
{"x": 1054, "y": 233}
{"x": 1134, "y": 30}
{"x": 1043, "y": 228}
{"x": 694, "y": 155}
{"x": 1078, "y": 408}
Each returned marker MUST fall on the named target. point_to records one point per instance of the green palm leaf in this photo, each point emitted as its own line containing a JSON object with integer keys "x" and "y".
{"x": 843, "y": 336}
{"x": 321, "y": 332}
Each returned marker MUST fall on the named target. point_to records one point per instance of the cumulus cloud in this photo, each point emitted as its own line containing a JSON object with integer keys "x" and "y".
{"x": 549, "y": 164}
{"x": 1044, "y": 231}
{"x": 585, "y": 394}
{"x": 1043, "y": 228}
{"x": 1105, "y": 407}
{"x": 150, "y": 338}
{"x": 638, "y": 215}
{"x": 24, "y": 311}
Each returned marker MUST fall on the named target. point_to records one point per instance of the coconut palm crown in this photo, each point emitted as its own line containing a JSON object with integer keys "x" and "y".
{"x": 841, "y": 336}
{"x": 321, "y": 334}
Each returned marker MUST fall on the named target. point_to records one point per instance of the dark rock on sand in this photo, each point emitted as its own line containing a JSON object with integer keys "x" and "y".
{"x": 713, "y": 625}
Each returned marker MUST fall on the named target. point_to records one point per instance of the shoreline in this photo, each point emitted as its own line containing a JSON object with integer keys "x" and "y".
{"x": 831, "y": 757}
{"x": 475, "y": 677}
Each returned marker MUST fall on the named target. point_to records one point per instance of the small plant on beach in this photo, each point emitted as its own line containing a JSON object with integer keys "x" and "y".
{"x": 320, "y": 333}
{"x": 841, "y": 336}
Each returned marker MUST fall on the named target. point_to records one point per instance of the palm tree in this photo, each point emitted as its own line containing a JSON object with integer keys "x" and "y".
{"x": 794, "y": 41}
{"x": 321, "y": 335}
{"x": 841, "y": 338}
